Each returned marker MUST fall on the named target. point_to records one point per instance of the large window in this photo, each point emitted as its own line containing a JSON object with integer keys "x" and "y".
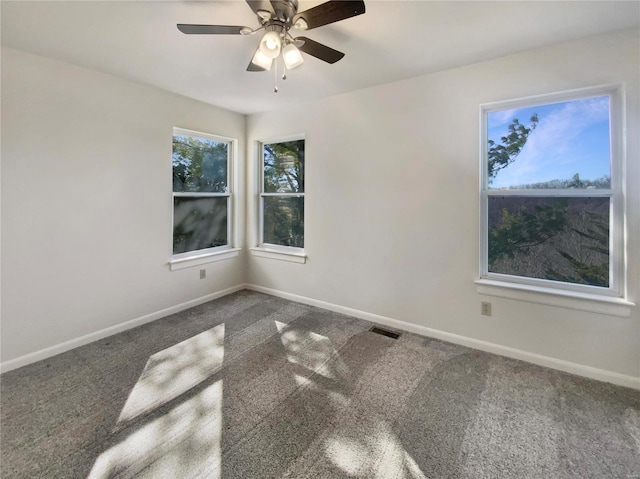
{"x": 551, "y": 193}
{"x": 282, "y": 195}
{"x": 201, "y": 195}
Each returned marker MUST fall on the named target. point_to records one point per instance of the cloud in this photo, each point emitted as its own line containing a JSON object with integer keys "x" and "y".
{"x": 558, "y": 131}
{"x": 557, "y": 145}
{"x": 499, "y": 118}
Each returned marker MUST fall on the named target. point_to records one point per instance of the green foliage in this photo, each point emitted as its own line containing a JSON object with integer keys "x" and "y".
{"x": 583, "y": 273}
{"x": 502, "y": 155}
{"x": 284, "y": 221}
{"x": 199, "y": 165}
{"x": 520, "y": 231}
{"x": 199, "y": 223}
{"x": 284, "y": 167}
{"x": 597, "y": 241}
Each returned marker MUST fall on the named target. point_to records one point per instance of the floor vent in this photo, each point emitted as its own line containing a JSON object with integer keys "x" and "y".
{"x": 385, "y": 332}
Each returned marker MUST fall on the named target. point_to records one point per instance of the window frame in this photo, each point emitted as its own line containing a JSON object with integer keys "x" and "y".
{"x": 202, "y": 256}
{"x": 269, "y": 249}
{"x": 617, "y": 266}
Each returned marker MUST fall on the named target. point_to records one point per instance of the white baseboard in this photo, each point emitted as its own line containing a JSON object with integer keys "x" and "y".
{"x": 118, "y": 328}
{"x": 553, "y": 363}
{"x": 559, "y": 364}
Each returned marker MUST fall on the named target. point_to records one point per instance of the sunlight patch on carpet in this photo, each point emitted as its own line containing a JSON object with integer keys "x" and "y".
{"x": 186, "y": 437}
{"x": 376, "y": 454}
{"x": 174, "y": 370}
{"x": 312, "y": 351}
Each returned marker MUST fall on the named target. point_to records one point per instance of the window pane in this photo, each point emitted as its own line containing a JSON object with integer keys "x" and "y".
{"x": 557, "y": 145}
{"x": 199, "y": 164}
{"x": 284, "y": 167}
{"x": 284, "y": 221}
{"x": 199, "y": 223}
{"x": 561, "y": 239}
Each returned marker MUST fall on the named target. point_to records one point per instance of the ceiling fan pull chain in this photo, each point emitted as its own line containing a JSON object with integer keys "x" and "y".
{"x": 275, "y": 76}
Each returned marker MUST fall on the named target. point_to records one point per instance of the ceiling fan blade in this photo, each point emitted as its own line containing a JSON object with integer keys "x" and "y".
{"x": 256, "y": 5}
{"x": 211, "y": 29}
{"x": 329, "y": 12}
{"x": 319, "y": 50}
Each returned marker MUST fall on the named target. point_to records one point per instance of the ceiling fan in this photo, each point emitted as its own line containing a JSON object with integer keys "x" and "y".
{"x": 276, "y": 18}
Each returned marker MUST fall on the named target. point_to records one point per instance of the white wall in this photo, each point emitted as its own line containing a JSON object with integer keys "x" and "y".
{"x": 391, "y": 208}
{"x": 391, "y": 202}
{"x": 87, "y": 205}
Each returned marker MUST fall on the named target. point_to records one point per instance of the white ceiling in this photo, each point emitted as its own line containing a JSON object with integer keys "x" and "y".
{"x": 393, "y": 40}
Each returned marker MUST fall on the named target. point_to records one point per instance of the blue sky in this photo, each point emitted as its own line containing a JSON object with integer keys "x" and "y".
{"x": 571, "y": 137}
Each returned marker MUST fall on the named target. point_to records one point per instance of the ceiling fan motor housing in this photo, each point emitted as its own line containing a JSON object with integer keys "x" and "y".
{"x": 285, "y": 10}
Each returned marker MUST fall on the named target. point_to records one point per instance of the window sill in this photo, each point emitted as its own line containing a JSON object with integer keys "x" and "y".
{"x": 564, "y": 299}
{"x": 198, "y": 260}
{"x": 280, "y": 255}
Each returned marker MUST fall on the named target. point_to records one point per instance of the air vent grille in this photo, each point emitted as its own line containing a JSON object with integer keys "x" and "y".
{"x": 385, "y": 332}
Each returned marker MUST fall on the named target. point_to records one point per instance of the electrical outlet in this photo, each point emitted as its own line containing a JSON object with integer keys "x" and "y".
{"x": 203, "y": 273}
{"x": 485, "y": 308}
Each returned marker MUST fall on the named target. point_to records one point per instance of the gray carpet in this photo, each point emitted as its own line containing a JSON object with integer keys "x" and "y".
{"x": 252, "y": 386}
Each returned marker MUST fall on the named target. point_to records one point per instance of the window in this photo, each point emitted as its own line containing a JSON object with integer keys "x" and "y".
{"x": 201, "y": 194}
{"x": 282, "y": 195}
{"x": 551, "y": 195}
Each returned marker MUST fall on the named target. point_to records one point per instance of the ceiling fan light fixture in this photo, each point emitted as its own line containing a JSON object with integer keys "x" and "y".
{"x": 261, "y": 60}
{"x": 292, "y": 56}
{"x": 271, "y": 44}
